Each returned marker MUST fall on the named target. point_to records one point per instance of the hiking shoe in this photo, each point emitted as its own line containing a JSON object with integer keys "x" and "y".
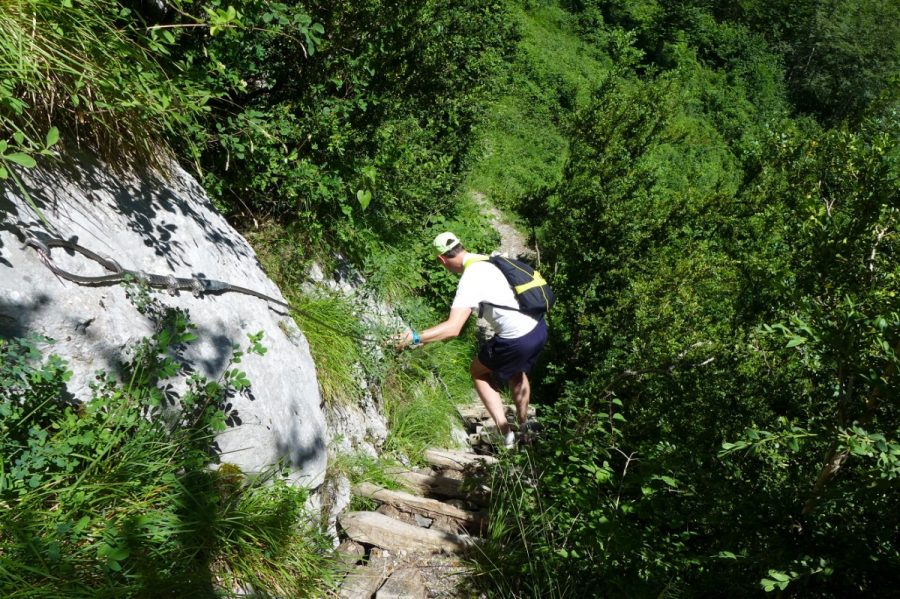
{"x": 532, "y": 427}
{"x": 507, "y": 441}
{"x": 529, "y": 431}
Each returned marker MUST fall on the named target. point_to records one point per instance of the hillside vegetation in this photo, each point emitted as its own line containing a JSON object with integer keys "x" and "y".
{"x": 713, "y": 188}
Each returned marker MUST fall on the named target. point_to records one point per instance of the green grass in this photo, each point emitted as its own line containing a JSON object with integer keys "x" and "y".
{"x": 520, "y": 153}
{"x": 556, "y": 61}
{"x": 92, "y": 69}
{"x": 421, "y": 393}
{"x": 522, "y": 144}
{"x": 108, "y": 500}
{"x": 362, "y": 468}
{"x": 333, "y": 330}
{"x": 330, "y": 321}
{"x": 511, "y": 562}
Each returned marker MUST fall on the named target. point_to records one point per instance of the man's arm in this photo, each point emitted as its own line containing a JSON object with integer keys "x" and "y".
{"x": 446, "y": 330}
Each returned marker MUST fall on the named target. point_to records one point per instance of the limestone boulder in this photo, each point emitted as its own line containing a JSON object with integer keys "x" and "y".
{"x": 163, "y": 225}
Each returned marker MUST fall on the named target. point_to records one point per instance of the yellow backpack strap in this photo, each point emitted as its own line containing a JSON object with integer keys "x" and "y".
{"x": 473, "y": 258}
{"x": 538, "y": 281}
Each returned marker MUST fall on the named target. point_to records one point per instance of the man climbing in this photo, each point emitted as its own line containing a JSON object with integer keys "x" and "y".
{"x": 518, "y": 337}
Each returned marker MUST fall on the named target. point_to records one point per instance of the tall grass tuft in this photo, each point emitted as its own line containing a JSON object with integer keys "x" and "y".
{"x": 359, "y": 468}
{"x": 90, "y": 67}
{"x": 512, "y": 562}
{"x": 421, "y": 393}
{"x": 330, "y": 321}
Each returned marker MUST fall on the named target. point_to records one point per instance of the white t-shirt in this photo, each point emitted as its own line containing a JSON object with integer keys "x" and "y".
{"x": 483, "y": 282}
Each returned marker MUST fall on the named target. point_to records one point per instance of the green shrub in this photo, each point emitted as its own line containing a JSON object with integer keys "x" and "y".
{"x": 116, "y": 497}
{"x": 353, "y": 117}
{"x": 728, "y": 327}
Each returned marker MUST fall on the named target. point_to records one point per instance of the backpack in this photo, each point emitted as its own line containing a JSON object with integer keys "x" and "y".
{"x": 531, "y": 290}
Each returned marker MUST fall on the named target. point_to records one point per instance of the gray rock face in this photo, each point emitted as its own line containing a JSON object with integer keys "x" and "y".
{"x": 167, "y": 228}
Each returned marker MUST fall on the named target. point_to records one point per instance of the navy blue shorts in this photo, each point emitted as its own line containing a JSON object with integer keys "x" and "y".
{"x": 508, "y": 357}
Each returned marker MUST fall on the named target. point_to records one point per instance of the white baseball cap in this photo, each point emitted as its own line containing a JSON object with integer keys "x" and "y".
{"x": 445, "y": 241}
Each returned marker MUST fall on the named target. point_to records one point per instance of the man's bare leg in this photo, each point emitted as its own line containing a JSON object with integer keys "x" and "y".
{"x": 490, "y": 397}
{"x": 520, "y": 389}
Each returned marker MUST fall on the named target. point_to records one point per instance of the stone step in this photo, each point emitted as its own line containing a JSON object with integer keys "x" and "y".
{"x": 405, "y": 583}
{"x": 476, "y": 412}
{"x": 442, "y": 486}
{"x": 458, "y": 460}
{"x": 487, "y": 437}
{"x": 350, "y": 552}
{"x": 414, "y": 503}
{"x": 371, "y": 528}
{"x": 361, "y": 583}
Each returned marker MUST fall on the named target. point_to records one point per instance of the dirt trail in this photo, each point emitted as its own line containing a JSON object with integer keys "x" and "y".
{"x": 512, "y": 242}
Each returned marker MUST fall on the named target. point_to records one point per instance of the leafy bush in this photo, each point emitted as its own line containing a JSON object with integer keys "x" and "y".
{"x": 344, "y": 116}
{"x": 726, "y": 336}
{"x": 116, "y": 497}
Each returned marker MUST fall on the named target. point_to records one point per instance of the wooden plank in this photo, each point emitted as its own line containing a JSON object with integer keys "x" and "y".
{"x": 430, "y": 484}
{"x": 361, "y": 583}
{"x": 457, "y": 460}
{"x": 371, "y": 528}
{"x": 414, "y": 503}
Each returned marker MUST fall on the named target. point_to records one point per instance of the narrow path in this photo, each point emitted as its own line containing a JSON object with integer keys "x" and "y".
{"x": 512, "y": 242}
{"x": 414, "y": 545}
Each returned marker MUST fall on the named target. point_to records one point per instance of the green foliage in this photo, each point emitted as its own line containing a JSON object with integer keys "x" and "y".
{"x": 522, "y": 534}
{"x": 839, "y": 58}
{"x": 332, "y": 327}
{"x": 352, "y": 119}
{"x": 521, "y": 146}
{"x": 725, "y": 335}
{"x": 421, "y": 392}
{"x": 368, "y": 132}
{"x": 116, "y": 498}
{"x": 362, "y": 468}
{"x": 21, "y": 152}
{"x": 331, "y": 322}
{"x": 91, "y": 68}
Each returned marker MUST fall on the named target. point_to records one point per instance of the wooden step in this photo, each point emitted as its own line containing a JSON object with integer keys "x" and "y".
{"x": 458, "y": 460}
{"x": 442, "y": 486}
{"x": 371, "y": 528}
{"x": 414, "y": 503}
{"x": 350, "y": 552}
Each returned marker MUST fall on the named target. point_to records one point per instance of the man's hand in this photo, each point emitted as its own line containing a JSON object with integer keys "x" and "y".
{"x": 401, "y": 341}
